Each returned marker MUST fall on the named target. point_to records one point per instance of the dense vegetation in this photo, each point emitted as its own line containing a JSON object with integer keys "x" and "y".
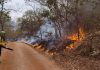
{"x": 68, "y": 16}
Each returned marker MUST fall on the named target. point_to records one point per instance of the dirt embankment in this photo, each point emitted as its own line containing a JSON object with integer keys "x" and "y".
{"x": 85, "y": 57}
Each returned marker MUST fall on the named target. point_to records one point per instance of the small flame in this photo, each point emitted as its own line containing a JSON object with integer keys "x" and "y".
{"x": 77, "y": 38}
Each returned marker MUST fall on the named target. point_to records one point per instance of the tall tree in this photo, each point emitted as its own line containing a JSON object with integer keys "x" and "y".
{"x": 30, "y": 23}
{"x": 69, "y": 15}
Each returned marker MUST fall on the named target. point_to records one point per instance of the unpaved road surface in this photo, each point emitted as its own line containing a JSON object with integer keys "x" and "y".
{"x": 23, "y": 57}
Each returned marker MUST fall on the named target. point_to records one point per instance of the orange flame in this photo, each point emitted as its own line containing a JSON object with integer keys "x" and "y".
{"x": 77, "y": 38}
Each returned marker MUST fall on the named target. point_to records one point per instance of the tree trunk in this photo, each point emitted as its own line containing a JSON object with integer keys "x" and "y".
{"x": 1, "y": 15}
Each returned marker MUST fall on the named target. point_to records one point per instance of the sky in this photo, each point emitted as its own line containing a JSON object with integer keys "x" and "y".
{"x": 18, "y": 7}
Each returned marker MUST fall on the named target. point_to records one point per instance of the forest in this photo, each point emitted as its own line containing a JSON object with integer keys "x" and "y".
{"x": 66, "y": 31}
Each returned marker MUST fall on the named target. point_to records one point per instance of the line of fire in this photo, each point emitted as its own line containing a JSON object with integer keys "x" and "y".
{"x": 70, "y": 41}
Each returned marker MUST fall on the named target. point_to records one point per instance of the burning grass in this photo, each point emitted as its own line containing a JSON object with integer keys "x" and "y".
{"x": 72, "y": 58}
{"x": 85, "y": 57}
{"x": 77, "y": 37}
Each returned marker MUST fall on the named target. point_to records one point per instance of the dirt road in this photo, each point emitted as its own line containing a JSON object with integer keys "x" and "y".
{"x": 23, "y": 57}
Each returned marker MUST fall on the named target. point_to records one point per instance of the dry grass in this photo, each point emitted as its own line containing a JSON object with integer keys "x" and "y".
{"x": 76, "y": 62}
{"x": 74, "y": 59}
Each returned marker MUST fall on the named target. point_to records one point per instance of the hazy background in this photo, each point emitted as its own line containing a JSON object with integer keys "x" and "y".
{"x": 18, "y": 7}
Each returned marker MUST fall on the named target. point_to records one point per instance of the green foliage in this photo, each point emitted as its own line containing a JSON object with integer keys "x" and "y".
{"x": 5, "y": 16}
{"x": 30, "y": 23}
{"x": 51, "y": 2}
{"x": 45, "y": 13}
{"x": 4, "y": 20}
